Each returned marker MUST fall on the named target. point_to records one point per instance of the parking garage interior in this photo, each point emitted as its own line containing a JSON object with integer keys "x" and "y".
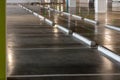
{"x": 63, "y": 39}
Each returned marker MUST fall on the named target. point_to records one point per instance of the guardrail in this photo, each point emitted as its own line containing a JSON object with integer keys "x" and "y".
{"x": 90, "y": 21}
{"x": 51, "y": 9}
{"x": 62, "y": 28}
{"x": 83, "y": 39}
{"x": 109, "y": 53}
{"x": 77, "y": 17}
{"x": 58, "y": 11}
{"x": 41, "y": 17}
{"x": 65, "y": 13}
{"x": 36, "y": 14}
{"x": 112, "y": 27}
{"x": 49, "y": 22}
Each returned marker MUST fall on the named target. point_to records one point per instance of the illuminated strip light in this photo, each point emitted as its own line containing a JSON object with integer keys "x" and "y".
{"x": 91, "y": 21}
{"x": 62, "y": 28}
{"x": 66, "y": 13}
{"x": 36, "y": 14}
{"x": 113, "y": 27}
{"x": 109, "y": 53}
{"x": 48, "y": 21}
{"x": 85, "y": 40}
{"x": 77, "y": 17}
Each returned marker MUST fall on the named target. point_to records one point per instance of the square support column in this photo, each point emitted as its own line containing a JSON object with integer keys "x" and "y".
{"x": 48, "y": 1}
{"x": 71, "y": 3}
{"x": 100, "y": 6}
{"x": 84, "y": 3}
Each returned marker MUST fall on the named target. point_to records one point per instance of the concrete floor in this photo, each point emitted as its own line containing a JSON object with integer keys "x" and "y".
{"x": 37, "y": 51}
{"x": 98, "y": 33}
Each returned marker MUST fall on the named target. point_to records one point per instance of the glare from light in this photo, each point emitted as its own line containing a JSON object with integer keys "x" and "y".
{"x": 108, "y": 38}
{"x": 62, "y": 8}
{"x": 10, "y": 60}
{"x": 55, "y": 30}
{"x": 107, "y": 65}
{"x": 55, "y": 26}
{"x": 56, "y": 18}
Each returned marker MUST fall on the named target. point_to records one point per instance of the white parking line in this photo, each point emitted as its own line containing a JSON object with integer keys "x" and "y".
{"x": 63, "y": 75}
{"x": 49, "y": 48}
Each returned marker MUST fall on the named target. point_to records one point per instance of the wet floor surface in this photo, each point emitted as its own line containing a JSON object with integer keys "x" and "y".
{"x": 35, "y": 48}
{"x": 98, "y": 33}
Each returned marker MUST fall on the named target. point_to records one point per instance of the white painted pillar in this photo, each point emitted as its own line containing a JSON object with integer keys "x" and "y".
{"x": 71, "y": 3}
{"x": 100, "y": 6}
{"x": 84, "y": 3}
{"x": 48, "y": 1}
{"x": 72, "y": 10}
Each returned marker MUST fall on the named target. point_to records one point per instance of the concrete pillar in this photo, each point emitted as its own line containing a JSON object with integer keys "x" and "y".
{"x": 48, "y": 1}
{"x": 71, "y": 3}
{"x": 64, "y": 5}
{"x": 100, "y": 6}
{"x": 72, "y": 10}
{"x": 110, "y": 3}
{"x": 84, "y": 3}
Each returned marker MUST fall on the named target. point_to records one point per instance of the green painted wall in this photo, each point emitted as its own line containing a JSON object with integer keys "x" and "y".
{"x": 2, "y": 40}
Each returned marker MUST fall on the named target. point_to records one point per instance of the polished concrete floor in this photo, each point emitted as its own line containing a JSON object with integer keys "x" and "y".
{"x": 98, "y": 33}
{"x": 38, "y": 51}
